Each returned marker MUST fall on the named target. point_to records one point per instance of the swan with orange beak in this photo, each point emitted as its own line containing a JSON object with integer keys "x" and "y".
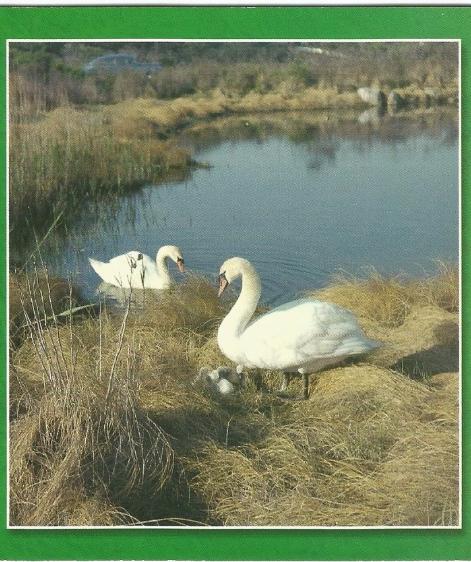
{"x": 302, "y": 336}
{"x": 138, "y": 271}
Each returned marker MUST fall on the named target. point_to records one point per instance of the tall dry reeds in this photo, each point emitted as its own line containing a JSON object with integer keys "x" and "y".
{"x": 78, "y": 436}
{"x": 68, "y": 156}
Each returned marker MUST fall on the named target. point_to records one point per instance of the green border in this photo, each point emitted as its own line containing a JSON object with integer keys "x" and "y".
{"x": 232, "y": 23}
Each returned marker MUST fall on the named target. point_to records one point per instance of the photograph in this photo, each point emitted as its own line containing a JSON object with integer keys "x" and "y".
{"x": 234, "y": 283}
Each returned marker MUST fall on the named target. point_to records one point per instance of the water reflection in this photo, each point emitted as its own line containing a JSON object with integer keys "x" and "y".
{"x": 372, "y": 115}
{"x": 122, "y": 297}
{"x": 300, "y": 195}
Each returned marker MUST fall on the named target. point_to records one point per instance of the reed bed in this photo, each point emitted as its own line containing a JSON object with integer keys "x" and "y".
{"x": 70, "y": 155}
{"x": 108, "y": 426}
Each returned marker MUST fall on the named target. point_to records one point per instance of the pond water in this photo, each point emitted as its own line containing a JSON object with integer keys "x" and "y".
{"x": 302, "y": 197}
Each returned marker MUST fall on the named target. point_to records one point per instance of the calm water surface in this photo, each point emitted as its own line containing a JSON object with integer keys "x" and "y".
{"x": 299, "y": 206}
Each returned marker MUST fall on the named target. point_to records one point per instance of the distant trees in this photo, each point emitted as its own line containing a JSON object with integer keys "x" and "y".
{"x": 47, "y": 75}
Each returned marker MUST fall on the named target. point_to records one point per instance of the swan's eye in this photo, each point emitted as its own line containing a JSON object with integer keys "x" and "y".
{"x": 180, "y": 260}
{"x": 139, "y": 256}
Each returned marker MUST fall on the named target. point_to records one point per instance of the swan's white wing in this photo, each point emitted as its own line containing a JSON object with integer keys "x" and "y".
{"x": 149, "y": 264}
{"x": 124, "y": 270}
{"x": 124, "y": 260}
{"x": 130, "y": 270}
{"x": 300, "y": 331}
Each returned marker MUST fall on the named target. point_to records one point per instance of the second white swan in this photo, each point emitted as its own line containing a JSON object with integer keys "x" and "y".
{"x": 137, "y": 271}
{"x": 301, "y": 336}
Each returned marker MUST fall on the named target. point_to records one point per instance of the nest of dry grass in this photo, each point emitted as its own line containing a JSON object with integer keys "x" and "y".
{"x": 359, "y": 452}
{"x": 108, "y": 427}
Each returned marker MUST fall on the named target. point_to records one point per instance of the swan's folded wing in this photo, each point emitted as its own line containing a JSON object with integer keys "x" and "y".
{"x": 124, "y": 260}
{"x": 301, "y": 331}
{"x": 121, "y": 270}
{"x": 148, "y": 262}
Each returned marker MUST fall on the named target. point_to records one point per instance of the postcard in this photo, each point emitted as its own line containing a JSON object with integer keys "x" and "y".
{"x": 234, "y": 264}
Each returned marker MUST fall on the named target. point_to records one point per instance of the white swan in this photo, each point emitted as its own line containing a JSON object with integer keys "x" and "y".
{"x": 138, "y": 271}
{"x": 301, "y": 336}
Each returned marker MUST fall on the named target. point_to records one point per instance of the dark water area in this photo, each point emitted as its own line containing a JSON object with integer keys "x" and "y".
{"x": 301, "y": 196}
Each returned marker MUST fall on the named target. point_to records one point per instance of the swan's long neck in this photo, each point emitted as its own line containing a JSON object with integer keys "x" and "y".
{"x": 239, "y": 316}
{"x": 162, "y": 265}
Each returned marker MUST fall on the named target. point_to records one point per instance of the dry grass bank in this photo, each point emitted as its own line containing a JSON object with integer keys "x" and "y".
{"x": 107, "y": 427}
{"x": 322, "y": 126}
{"x": 166, "y": 116}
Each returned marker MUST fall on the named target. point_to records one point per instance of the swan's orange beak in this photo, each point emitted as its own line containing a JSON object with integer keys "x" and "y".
{"x": 181, "y": 265}
{"x": 223, "y": 283}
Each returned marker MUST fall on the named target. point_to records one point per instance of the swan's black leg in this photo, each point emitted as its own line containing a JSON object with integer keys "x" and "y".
{"x": 306, "y": 386}
{"x": 286, "y": 380}
{"x": 258, "y": 380}
{"x": 240, "y": 371}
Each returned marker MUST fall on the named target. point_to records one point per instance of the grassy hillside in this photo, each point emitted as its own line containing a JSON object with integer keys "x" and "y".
{"x": 108, "y": 428}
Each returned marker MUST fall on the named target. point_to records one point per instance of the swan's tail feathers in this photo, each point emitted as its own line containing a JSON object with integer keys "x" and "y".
{"x": 99, "y": 268}
{"x": 374, "y": 344}
{"x": 358, "y": 346}
{"x": 368, "y": 345}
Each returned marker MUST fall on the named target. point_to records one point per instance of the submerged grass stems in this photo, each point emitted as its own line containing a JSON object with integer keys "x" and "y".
{"x": 371, "y": 446}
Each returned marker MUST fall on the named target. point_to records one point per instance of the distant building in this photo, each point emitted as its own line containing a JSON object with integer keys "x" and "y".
{"x": 119, "y": 62}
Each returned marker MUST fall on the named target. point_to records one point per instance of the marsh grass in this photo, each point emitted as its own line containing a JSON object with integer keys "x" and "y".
{"x": 67, "y": 156}
{"x": 83, "y": 436}
{"x": 108, "y": 426}
{"x": 388, "y": 300}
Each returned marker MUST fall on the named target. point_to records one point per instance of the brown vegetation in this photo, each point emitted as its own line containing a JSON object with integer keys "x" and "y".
{"x": 108, "y": 428}
{"x": 388, "y": 301}
{"x": 51, "y": 74}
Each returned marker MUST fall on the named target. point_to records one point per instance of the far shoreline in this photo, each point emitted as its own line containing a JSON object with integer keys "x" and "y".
{"x": 76, "y": 153}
